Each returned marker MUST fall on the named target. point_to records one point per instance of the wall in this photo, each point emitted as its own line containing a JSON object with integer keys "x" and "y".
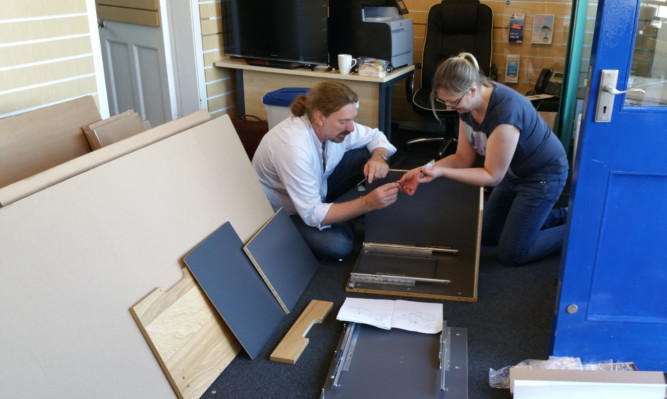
{"x": 46, "y": 51}
{"x": 533, "y": 57}
{"x": 46, "y": 54}
{"x": 220, "y": 83}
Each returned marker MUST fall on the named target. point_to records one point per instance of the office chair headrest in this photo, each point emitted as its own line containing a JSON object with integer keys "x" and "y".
{"x": 459, "y": 16}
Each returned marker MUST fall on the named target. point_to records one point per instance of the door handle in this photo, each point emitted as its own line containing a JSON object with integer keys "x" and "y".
{"x": 606, "y": 93}
{"x": 100, "y": 23}
{"x": 611, "y": 89}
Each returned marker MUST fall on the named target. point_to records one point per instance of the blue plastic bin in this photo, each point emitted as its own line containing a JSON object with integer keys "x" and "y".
{"x": 278, "y": 103}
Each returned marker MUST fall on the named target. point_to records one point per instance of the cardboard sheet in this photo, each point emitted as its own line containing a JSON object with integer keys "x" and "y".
{"x": 528, "y": 383}
{"x": 78, "y": 254}
{"x": 40, "y": 139}
{"x": 118, "y": 127}
{"x": 58, "y": 173}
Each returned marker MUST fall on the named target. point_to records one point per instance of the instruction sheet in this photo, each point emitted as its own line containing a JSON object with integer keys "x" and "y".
{"x": 423, "y": 317}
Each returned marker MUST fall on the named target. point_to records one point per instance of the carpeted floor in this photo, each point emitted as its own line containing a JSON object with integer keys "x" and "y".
{"x": 510, "y": 322}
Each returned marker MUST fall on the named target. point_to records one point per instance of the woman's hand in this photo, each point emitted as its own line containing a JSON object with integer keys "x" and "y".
{"x": 411, "y": 180}
{"x": 408, "y": 182}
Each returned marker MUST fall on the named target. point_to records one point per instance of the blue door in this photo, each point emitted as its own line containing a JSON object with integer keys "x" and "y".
{"x": 612, "y": 300}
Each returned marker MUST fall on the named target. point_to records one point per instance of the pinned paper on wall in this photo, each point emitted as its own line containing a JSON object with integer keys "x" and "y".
{"x": 516, "y": 27}
{"x": 512, "y": 70}
{"x": 543, "y": 29}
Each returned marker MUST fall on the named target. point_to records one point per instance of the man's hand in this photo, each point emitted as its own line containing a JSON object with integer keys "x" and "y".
{"x": 376, "y": 168}
{"x": 382, "y": 196}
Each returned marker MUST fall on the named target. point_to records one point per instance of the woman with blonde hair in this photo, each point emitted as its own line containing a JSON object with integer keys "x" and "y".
{"x": 524, "y": 162}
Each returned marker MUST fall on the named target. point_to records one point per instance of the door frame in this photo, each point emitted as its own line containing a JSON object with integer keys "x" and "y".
{"x": 181, "y": 31}
{"x": 186, "y": 55}
{"x": 98, "y": 64}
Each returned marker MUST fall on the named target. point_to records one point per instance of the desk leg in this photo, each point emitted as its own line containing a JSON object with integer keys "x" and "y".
{"x": 240, "y": 93}
{"x": 384, "y": 111}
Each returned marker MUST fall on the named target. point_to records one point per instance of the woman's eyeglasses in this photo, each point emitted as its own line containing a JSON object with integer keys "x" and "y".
{"x": 454, "y": 105}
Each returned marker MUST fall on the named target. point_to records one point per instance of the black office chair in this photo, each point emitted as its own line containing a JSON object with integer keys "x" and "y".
{"x": 453, "y": 26}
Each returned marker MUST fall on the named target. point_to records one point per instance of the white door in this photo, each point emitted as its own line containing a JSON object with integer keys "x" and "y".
{"x": 135, "y": 66}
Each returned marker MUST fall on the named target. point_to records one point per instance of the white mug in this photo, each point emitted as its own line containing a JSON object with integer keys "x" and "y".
{"x": 345, "y": 63}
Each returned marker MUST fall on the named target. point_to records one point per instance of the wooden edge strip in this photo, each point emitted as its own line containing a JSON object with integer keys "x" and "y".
{"x": 293, "y": 344}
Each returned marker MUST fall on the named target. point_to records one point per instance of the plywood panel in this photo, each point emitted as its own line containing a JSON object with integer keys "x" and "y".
{"x": 294, "y": 343}
{"x": 187, "y": 336}
{"x": 92, "y": 244}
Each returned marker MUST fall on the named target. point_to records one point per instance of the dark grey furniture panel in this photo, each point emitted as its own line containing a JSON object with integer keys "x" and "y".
{"x": 235, "y": 288}
{"x": 402, "y": 364}
{"x": 281, "y": 254}
{"x": 441, "y": 214}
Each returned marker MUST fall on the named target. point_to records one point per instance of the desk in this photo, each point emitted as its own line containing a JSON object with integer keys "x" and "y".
{"x": 374, "y": 93}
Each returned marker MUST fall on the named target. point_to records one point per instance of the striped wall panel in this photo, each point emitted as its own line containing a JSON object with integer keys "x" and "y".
{"x": 220, "y": 83}
{"x": 45, "y": 54}
{"x": 534, "y": 57}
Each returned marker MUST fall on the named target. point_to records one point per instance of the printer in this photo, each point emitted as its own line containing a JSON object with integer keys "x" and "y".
{"x": 370, "y": 28}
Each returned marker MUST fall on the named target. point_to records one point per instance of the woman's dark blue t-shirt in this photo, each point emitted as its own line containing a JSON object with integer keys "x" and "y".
{"x": 538, "y": 151}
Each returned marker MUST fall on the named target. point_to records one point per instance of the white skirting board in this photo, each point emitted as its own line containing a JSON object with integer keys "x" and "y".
{"x": 77, "y": 255}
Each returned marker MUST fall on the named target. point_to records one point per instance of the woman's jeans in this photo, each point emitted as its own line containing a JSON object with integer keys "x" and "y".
{"x": 519, "y": 219}
{"x": 336, "y": 241}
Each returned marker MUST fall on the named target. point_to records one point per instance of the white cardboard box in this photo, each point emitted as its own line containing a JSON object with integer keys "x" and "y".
{"x": 528, "y": 383}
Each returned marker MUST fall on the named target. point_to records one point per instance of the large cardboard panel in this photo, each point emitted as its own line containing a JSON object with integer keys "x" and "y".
{"x": 40, "y": 139}
{"x": 77, "y": 255}
{"x": 58, "y": 173}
